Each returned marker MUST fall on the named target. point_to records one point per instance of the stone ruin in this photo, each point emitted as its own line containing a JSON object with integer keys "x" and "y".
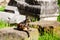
{"x": 48, "y": 6}
{"x": 41, "y": 8}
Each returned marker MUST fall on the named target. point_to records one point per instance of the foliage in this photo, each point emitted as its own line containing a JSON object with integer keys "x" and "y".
{"x": 58, "y": 1}
{"x": 58, "y": 19}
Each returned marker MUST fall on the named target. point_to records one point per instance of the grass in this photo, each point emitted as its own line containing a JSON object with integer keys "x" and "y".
{"x": 3, "y": 24}
{"x": 2, "y": 8}
{"x": 49, "y": 37}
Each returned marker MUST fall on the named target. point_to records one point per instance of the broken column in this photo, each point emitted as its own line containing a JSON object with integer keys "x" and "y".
{"x": 49, "y": 10}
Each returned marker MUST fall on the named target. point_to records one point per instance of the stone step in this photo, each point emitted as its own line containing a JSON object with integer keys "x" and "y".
{"x": 48, "y": 15}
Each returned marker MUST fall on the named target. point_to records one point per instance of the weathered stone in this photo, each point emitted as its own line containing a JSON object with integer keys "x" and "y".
{"x": 12, "y": 34}
{"x": 41, "y": 8}
{"x": 45, "y": 23}
{"x": 12, "y": 17}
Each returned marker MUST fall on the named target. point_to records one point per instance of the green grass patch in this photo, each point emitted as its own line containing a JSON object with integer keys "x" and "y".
{"x": 3, "y": 24}
{"x": 2, "y": 8}
{"x": 47, "y": 36}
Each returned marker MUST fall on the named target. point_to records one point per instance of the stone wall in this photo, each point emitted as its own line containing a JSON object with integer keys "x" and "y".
{"x": 49, "y": 7}
{"x": 44, "y": 7}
